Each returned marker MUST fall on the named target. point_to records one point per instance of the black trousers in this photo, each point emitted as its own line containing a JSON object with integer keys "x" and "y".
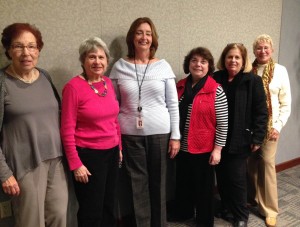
{"x": 145, "y": 162}
{"x": 98, "y": 198}
{"x": 232, "y": 184}
{"x": 194, "y": 188}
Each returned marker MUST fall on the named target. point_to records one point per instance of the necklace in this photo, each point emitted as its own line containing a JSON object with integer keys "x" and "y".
{"x": 17, "y": 76}
{"x": 96, "y": 91}
{"x": 140, "y": 85}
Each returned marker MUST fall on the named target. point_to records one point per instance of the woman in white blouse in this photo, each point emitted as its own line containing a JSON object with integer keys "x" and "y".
{"x": 262, "y": 172}
{"x": 149, "y": 121}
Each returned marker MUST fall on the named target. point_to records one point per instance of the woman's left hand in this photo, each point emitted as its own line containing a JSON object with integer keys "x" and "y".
{"x": 274, "y": 135}
{"x": 215, "y": 156}
{"x": 174, "y": 146}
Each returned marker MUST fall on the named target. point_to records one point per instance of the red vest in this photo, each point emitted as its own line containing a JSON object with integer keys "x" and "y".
{"x": 202, "y": 130}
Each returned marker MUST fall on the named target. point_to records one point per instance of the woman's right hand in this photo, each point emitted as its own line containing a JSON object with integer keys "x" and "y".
{"x": 11, "y": 186}
{"x": 82, "y": 174}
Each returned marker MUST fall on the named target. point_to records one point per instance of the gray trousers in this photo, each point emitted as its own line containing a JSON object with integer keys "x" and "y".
{"x": 145, "y": 162}
{"x": 44, "y": 196}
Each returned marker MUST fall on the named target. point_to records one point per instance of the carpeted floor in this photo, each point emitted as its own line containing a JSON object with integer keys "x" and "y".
{"x": 289, "y": 204}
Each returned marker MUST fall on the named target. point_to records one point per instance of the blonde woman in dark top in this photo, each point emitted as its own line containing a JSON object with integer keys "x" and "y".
{"x": 247, "y": 120}
{"x": 31, "y": 168}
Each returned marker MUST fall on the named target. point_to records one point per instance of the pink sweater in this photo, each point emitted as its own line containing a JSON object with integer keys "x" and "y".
{"x": 88, "y": 120}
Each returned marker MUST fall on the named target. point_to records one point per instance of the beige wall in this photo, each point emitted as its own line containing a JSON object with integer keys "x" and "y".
{"x": 181, "y": 25}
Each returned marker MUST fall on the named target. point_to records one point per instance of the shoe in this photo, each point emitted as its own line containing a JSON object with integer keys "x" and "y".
{"x": 270, "y": 221}
{"x": 225, "y": 215}
{"x": 178, "y": 218}
{"x": 240, "y": 224}
{"x": 252, "y": 205}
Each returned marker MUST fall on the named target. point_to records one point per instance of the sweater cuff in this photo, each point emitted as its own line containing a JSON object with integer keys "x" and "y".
{"x": 74, "y": 163}
{"x": 277, "y": 125}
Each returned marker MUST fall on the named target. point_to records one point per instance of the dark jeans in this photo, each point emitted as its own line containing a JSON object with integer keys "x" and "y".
{"x": 98, "y": 198}
{"x": 232, "y": 184}
{"x": 195, "y": 188}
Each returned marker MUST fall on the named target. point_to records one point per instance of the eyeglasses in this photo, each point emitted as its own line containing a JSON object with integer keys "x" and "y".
{"x": 265, "y": 48}
{"x": 19, "y": 47}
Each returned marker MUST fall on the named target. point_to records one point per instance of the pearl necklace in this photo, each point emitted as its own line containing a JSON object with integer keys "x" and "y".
{"x": 27, "y": 81}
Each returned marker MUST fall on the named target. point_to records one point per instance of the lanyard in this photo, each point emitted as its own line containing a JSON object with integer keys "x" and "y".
{"x": 140, "y": 85}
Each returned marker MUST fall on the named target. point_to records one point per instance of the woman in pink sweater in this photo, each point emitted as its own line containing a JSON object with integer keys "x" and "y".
{"x": 91, "y": 136}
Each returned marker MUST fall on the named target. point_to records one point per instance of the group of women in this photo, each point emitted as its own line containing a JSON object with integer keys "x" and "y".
{"x": 209, "y": 119}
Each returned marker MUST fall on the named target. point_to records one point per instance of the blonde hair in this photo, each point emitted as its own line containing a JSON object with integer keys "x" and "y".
{"x": 247, "y": 66}
{"x": 262, "y": 38}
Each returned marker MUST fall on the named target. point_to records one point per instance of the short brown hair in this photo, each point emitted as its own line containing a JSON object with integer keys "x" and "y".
{"x": 14, "y": 30}
{"x": 131, "y": 33}
{"x": 202, "y": 52}
{"x": 247, "y": 66}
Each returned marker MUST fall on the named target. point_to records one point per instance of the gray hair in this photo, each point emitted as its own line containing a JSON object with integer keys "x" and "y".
{"x": 91, "y": 44}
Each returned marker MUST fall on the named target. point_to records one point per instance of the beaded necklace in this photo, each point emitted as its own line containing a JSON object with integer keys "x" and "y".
{"x": 104, "y": 93}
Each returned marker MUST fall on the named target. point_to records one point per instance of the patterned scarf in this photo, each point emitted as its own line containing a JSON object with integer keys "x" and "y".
{"x": 267, "y": 77}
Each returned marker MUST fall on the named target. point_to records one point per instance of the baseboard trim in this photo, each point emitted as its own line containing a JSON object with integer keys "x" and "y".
{"x": 286, "y": 165}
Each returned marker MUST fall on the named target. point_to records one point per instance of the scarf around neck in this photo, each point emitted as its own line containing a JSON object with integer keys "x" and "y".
{"x": 188, "y": 97}
{"x": 267, "y": 77}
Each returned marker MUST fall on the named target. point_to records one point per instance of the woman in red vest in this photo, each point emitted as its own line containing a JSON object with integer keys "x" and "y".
{"x": 203, "y": 126}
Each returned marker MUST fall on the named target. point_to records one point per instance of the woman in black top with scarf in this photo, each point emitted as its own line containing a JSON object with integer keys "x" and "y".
{"x": 246, "y": 128}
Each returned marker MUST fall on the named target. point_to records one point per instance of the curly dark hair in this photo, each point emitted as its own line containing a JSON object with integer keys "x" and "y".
{"x": 202, "y": 52}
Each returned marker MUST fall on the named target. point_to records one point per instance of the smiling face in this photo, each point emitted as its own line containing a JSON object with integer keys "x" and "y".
{"x": 233, "y": 61}
{"x": 143, "y": 37}
{"x": 198, "y": 67}
{"x": 95, "y": 63}
{"x": 24, "y": 53}
{"x": 263, "y": 52}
